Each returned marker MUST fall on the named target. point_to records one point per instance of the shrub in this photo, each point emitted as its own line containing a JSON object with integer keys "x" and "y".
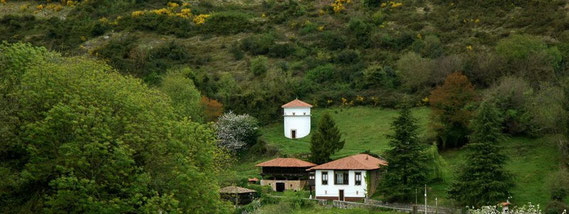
{"x": 377, "y": 76}
{"x": 360, "y": 31}
{"x": 237, "y": 132}
{"x": 556, "y": 207}
{"x": 259, "y": 65}
{"x": 212, "y": 109}
{"x": 378, "y": 17}
{"x": 281, "y": 50}
{"x": 258, "y": 44}
{"x": 226, "y": 23}
{"x": 512, "y": 96}
{"x": 415, "y": 71}
{"x": 236, "y": 51}
{"x": 332, "y": 41}
{"x": 429, "y": 47}
{"x": 371, "y": 3}
{"x": 322, "y": 73}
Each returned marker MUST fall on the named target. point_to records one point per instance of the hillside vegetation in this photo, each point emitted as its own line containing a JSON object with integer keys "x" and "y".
{"x": 365, "y": 129}
{"x": 143, "y": 105}
{"x": 256, "y": 55}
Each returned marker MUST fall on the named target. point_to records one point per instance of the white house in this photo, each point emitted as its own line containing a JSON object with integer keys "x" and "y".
{"x": 352, "y": 178}
{"x": 296, "y": 119}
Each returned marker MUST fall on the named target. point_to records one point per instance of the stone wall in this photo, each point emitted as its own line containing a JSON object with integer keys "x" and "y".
{"x": 289, "y": 184}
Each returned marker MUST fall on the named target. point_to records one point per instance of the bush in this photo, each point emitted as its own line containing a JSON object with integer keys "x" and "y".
{"x": 322, "y": 73}
{"x": 348, "y": 57}
{"x": 226, "y": 23}
{"x": 377, "y": 76}
{"x": 378, "y": 17}
{"x": 512, "y": 96}
{"x": 281, "y": 50}
{"x": 258, "y": 44}
{"x": 429, "y": 47}
{"x": 259, "y": 65}
{"x": 332, "y": 41}
{"x": 415, "y": 72}
{"x": 371, "y": 3}
{"x": 162, "y": 24}
{"x": 237, "y": 132}
{"x": 556, "y": 207}
{"x": 236, "y": 51}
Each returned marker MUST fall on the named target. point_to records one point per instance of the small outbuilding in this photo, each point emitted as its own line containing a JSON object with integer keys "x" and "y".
{"x": 285, "y": 173}
{"x": 296, "y": 115}
{"x": 238, "y": 195}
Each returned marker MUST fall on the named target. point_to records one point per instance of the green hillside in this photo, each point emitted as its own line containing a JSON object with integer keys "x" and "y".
{"x": 185, "y": 63}
{"x": 363, "y": 128}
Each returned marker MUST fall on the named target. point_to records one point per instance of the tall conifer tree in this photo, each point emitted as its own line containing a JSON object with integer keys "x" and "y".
{"x": 483, "y": 180}
{"x": 326, "y": 140}
{"x": 406, "y": 169}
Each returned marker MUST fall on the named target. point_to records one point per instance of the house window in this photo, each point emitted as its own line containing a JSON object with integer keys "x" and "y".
{"x": 358, "y": 178}
{"x": 324, "y": 178}
{"x": 341, "y": 177}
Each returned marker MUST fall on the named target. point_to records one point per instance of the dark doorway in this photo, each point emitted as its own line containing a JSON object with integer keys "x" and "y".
{"x": 280, "y": 187}
{"x": 341, "y": 195}
{"x": 293, "y": 134}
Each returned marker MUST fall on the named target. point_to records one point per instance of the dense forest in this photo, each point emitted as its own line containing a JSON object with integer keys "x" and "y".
{"x": 138, "y": 84}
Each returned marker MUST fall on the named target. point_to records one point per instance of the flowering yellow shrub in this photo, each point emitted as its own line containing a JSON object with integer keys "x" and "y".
{"x": 338, "y": 5}
{"x": 173, "y": 9}
{"x": 137, "y": 13}
{"x": 392, "y": 4}
{"x": 200, "y": 19}
{"x": 173, "y": 4}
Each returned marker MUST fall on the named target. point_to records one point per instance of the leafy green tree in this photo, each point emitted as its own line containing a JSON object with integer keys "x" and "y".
{"x": 482, "y": 180}
{"x": 184, "y": 95}
{"x": 81, "y": 138}
{"x": 326, "y": 140}
{"x": 407, "y": 158}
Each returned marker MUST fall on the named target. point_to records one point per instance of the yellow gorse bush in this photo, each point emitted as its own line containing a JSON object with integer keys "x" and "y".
{"x": 174, "y": 9}
{"x": 338, "y": 5}
{"x": 200, "y": 19}
{"x": 392, "y": 4}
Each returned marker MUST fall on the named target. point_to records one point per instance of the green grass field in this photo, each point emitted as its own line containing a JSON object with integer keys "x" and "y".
{"x": 531, "y": 161}
{"x": 364, "y": 128}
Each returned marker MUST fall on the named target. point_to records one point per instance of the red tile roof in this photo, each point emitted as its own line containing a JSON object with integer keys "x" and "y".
{"x": 296, "y": 103}
{"x": 286, "y": 162}
{"x": 359, "y": 161}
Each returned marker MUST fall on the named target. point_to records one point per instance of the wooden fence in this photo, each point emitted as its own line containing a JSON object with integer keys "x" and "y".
{"x": 375, "y": 204}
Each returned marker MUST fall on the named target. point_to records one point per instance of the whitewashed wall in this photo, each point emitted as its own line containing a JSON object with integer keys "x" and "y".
{"x": 332, "y": 190}
{"x": 297, "y": 119}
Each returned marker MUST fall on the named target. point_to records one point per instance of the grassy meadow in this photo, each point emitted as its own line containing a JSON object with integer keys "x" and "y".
{"x": 365, "y": 128}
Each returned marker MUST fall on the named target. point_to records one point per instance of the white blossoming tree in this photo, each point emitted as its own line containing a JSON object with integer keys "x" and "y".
{"x": 237, "y": 132}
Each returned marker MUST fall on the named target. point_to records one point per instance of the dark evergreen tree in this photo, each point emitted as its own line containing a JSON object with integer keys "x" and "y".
{"x": 483, "y": 180}
{"x": 326, "y": 140}
{"x": 407, "y": 160}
